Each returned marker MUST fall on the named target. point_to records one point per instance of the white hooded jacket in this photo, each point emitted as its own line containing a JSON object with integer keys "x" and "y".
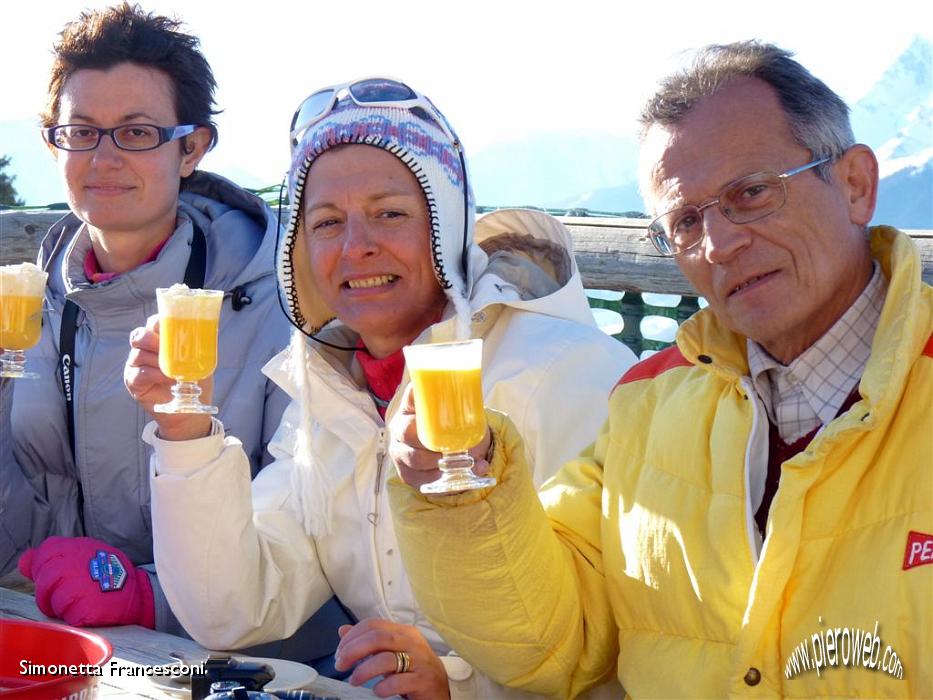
{"x": 316, "y": 521}
{"x": 264, "y": 549}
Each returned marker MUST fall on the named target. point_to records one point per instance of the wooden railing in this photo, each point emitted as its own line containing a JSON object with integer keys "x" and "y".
{"x": 612, "y": 253}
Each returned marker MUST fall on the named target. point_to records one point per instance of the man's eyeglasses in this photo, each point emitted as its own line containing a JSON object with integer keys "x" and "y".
{"x": 368, "y": 92}
{"x": 743, "y": 201}
{"x": 127, "y": 137}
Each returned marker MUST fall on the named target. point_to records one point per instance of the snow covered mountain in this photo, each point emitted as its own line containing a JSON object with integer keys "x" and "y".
{"x": 896, "y": 119}
{"x": 900, "y": 105}
{"x": 597, "y": 171}
{"x": 549, "y": 169}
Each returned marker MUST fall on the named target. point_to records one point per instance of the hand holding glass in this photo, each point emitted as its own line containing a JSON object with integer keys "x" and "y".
{"x": 188, "y": 325}
{"x": 449, "y": 414}
{"x": 22, "y": 289}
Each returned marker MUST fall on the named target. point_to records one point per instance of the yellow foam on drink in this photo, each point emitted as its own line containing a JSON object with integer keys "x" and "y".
{"x": 188, "y": 325}
{"x": 21, "y": 292}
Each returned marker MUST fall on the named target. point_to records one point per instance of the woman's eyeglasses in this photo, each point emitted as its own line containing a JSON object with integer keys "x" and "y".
{"x": 127, "y": 137}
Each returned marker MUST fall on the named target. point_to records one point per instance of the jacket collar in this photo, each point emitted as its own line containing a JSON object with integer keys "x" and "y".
{"x": 239, "y": 227}
{"x": 126, "y": 292}
{"x": 903, "y": 329}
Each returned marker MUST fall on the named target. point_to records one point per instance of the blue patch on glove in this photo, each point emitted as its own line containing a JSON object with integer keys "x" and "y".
{"x": 107, "y": 570}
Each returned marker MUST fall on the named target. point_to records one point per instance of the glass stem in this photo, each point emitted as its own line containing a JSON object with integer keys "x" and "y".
{"x": 13, "y": 363}
{"x": 456, "y": 462}
{"x": 189, "y": 392}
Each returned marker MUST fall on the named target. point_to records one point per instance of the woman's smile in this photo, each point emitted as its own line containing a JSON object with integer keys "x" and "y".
{"x": 371, "y": 282}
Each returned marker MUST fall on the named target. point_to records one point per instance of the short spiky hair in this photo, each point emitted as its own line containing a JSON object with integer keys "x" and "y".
{"x": 101, "y": 39}
{"x": 817, "y": 116}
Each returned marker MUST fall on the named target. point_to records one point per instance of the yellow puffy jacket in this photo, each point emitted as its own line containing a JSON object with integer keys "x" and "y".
{"x": 654, "y": 572}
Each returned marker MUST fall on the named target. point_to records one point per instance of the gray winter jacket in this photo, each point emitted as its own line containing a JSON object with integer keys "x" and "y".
{"x": 39, "y": 478}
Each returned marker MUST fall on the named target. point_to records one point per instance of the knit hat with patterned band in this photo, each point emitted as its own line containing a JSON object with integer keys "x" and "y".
{"x": 432, "y": 152}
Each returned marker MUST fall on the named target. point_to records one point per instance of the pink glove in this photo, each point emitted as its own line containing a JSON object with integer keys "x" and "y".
{"x": 88, "y": 583}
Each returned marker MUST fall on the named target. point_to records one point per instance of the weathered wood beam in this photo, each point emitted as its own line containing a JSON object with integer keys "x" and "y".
{"x": 612, "y": 253}
{"x": 21, "y": 233}
{"x": 616, "y": 254}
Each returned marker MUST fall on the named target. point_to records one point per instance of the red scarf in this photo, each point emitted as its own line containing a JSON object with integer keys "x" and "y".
{"x": 94, "y": 274}
{"x": 383, "y": 375}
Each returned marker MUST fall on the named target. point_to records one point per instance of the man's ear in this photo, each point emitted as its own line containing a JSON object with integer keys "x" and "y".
{"x": 193, "y": 149}
{"x": 857, "y": 173}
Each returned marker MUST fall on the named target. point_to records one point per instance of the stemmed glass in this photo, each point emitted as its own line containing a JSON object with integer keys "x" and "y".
{"x": 449, "y": 409}
{"x": 22, "y": 290}
{"x": 188, "y": 324}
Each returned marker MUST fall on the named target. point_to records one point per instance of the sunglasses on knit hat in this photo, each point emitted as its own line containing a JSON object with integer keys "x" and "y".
{"x": 367, "y": 92}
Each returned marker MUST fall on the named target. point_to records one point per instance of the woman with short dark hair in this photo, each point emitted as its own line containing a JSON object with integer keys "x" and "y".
{"x": 128, "y": 119}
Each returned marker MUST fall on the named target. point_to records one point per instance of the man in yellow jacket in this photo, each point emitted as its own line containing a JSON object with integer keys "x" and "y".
{"x": 756, "y": 516}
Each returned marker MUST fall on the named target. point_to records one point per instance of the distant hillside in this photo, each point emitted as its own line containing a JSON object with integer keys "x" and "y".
{"x": 905, "y": 199}
{"x": 622, "y": 198}
{"x": 552, "y": 169}
{"x": 597, "y": 171}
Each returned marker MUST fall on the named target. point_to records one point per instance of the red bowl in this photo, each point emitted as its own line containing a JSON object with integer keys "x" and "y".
{"x": 28, "y": 648}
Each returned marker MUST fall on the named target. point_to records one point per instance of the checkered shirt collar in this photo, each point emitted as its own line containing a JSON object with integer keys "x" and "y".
{"x": 810, "y": 390}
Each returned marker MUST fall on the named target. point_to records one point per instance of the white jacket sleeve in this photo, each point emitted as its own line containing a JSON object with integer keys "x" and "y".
{"x": 227, "y": 550}
{"x": 564, "y": 412}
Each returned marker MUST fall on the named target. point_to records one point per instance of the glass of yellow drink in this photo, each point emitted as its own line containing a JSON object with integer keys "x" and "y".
{"x": 22, "y": 289}
{"x": 188, "y": 324}
{"x": 449, "y": 414}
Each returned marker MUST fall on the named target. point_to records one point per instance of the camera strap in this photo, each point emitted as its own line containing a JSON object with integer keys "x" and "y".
{"x": 194, "y": 278}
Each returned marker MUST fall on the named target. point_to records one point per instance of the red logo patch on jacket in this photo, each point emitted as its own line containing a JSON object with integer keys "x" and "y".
{"x": 919, "y": 550}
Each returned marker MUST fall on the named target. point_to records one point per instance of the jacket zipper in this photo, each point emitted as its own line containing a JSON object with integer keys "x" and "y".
{"x": 756, "y": 419}
{"x": 373, "y": 516}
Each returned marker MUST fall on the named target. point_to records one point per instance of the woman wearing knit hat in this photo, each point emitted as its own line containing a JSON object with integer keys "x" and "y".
{"x": 380, "y": 252}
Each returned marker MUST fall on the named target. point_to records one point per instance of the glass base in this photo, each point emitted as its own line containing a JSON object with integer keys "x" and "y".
{"x": 185, "y": 399}
{"x": 457, "y": 475}
{"x": 13, "y": 365}
{"x": 18, "y": 375}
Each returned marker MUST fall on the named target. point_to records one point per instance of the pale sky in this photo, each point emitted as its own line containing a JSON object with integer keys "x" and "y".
{"x": 498, "y": 69}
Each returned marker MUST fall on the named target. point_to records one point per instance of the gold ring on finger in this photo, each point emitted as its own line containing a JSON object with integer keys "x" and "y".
{"x": 402, "y": 662}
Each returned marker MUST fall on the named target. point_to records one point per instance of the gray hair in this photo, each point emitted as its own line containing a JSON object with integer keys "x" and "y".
{"x": 817, "y": 116}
